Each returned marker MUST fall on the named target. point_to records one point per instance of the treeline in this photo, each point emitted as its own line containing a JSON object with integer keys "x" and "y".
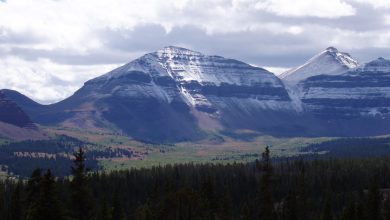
{"x": 352, "y": 147}
{"x": 338, "y": 189}
{"x": 21, "y": 158}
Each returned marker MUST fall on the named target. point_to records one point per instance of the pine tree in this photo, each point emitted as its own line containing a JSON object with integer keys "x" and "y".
{"x": 386, "y": 211}
{"x": 105, "y": 213}
{"x": 349, "y": 212}
{"x": 290, "y": 209}
{"x": 33, "y": 193}
{"x": 265, "y": 195}
{"x": 49, "y": 206}
{"x": 245, "y": 213}
{"x": 374, "y": 201}
{"x": 117, "y": 210}
{"x": 327, "y": 210}
{"x": 2, "y": 200}
{"x": 16, "y": 203}
{"x": 81, "y": 195}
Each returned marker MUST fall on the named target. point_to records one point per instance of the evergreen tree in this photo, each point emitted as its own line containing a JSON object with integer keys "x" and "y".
{"x": 361, "y": 207}
{"x": 245, "y": 212}
{"x": 301, "y": 194}
{"x": 2, "y": 200}
{"x": 81, "y": 194}
{"x": 265, "y": 195}
{"x": 374, "y": 201}
{"x": 290, "y": 209}
{"x": 349, "y": 212}
{"x": 117, "y": 210}
{"x": 145, "y": 212}
{"x": 48, "y": 204}
{"x": 16, "y": 203}
{"x": 105, "y": 212}
{"x": 33, "y": 193}
{"x": 327, "y": 210}
{"x": 386, "y": 211}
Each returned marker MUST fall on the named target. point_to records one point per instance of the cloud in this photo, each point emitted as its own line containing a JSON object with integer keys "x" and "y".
{"x": 378, "y": 4}
{"x": 45, "y": 81}
{"x": 302, "y": 8}
{"x": 57, "y": 45}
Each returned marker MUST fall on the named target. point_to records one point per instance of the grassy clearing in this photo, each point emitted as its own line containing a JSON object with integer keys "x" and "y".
{"x": 228, "y": 151}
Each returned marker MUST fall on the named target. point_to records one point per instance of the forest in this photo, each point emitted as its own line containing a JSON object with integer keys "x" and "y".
{"x": 321, "y": 189}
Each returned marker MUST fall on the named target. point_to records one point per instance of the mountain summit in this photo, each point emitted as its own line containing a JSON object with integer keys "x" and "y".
{"x": 329, "y": 62}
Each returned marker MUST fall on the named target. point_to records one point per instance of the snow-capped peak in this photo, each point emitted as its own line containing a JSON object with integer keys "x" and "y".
{"x": 171, "y": 51}
{"x": 330, "y": 61}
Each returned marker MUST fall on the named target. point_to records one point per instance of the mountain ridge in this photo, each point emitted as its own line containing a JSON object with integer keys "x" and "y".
{"x": 176, "y": 94}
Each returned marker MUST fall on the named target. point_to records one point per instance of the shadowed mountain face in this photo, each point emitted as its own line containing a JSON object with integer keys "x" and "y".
{"x": 176, "y": 94}
{"x": 12, "y": 114}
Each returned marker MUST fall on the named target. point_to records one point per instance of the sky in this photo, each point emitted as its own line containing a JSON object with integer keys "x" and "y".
{"x": 49, "y": 48}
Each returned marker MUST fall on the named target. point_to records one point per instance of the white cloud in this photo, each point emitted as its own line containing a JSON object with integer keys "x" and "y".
{"x": 301, "y": 8}
{"x": 378, "y": 4}
{"x": 45, "y": 81}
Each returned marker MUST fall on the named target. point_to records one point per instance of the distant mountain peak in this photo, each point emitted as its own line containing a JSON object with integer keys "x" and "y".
{"x": 332, "y": 49}
{"x": 330, "y": 61}
{"x": 175, "y": 50}
{"x": 380, "y": 64}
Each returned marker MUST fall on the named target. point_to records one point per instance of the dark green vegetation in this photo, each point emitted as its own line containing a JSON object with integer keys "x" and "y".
{"x": 355, "y": 147}
{"x": 21, "y": 158}
{"x": 291, "y": 189}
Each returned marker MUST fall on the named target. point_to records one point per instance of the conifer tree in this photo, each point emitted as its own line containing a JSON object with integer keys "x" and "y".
{"x": 290, "y": 209}
{"x": 33, "y": 193}
{"x": 327, "y": 210}
{"x": 48, "y": 204}
{"x": 105, "y": 213}
{"x": 265, "y": 195}
{"x": 16, "y": 203}
{"x": 374, "y": 201}
{"x": 349, "y": 212}
{"x": 81, "y": 194}
{"x": 117, "y": 210}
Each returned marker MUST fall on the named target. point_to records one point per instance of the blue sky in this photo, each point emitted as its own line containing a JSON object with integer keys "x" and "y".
{"x": 49, "y": 48}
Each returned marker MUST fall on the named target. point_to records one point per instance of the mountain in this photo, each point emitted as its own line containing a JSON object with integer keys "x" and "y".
{"x": 355, "y": 102}
{"x": 174, "y": 94}
{"x": 15, "y": 123}
{"x": 328, "y": 62}
{"x": 11, "y": 113}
